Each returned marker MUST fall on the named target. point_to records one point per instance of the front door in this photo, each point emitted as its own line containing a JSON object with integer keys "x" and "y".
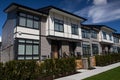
{"x": 55, "y": 45}
{"x": 55, "y": 51}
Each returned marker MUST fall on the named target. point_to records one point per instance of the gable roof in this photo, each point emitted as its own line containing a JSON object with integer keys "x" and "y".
{"x": 15, "y": 5}
{"x": 48, "y": 8}
{"x": 99, "y": 26}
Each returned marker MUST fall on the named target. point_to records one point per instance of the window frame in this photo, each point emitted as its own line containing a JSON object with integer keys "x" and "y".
{"x": 26, "y": 18}
{"x": 94, "y": 34}
{"x": 74, "y": 27}
{"x": 110, "y": 37}
{"x": 104, "y": 35}
{"x": 25, "y": 44}
{"x": 93, "y": 47}
{"x": 86, "y": 49}
{"x": 58, "y": 22}
{"x": 85, "y": 33}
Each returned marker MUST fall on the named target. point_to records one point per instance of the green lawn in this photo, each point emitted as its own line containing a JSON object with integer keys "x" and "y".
{"x": 113, "y": 74}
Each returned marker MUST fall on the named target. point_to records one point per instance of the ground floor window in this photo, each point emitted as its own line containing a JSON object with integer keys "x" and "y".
{"x": 86, "y": 49}
{"x": 28, "y": 49}
{"x": 95, "y": 49}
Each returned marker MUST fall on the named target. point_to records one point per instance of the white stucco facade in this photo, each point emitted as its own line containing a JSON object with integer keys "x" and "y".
{"x": 67, "y": 20}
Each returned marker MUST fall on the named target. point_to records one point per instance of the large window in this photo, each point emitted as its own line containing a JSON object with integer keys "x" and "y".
{"x": 28, "y": 49}
{"x": 85, "y": 33}
{"x": 116, "y": 40}
{"x": 104, "y": 35}
{"x": 95, "y": 49}
{"x": 29, "y": 21}
{"x": 110, "y": 37}
{"x": 74, "y": 29}
{"x": 58, "y": 25}
{"x": 93, "y": 34}
{"x": 86, "y": 49}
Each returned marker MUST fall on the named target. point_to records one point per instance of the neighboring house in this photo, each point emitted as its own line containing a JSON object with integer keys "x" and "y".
{"x": 51, "y": 32}
{"x": 106, "y": 39}
{"x": 63, "y": 31}
{"x": 97, "y": 39}
{"x": 90, "y": 40}
{"x": 116, "y": 45}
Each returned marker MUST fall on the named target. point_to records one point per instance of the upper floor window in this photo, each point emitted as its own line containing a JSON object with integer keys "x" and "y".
{"x": 110, "y": 37}
{"x": 58, "y": 25}
{"x": 104, "y": 35}
{"x": 74, "y": 29}
{"x": 93, "y": 34}
{"x": 29, "y": 21}
{"x": 116, "y": 40}
{"x": 85, "y": 33}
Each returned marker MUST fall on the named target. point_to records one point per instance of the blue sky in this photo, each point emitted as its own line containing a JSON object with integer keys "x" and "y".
{"x": 106, "y": 12}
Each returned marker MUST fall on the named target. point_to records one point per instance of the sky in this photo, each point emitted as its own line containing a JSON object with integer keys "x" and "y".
{"x": 101, "y": 12}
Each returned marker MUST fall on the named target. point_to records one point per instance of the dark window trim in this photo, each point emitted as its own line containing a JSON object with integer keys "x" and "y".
{"x": 87, "y": 32}
{"x": 39, "y": 21}
{"x": 95, "y": 46}
{"x": 74, "y": 26}
{"x": 104, "y": 35}
{"x": 94, "y": 34}
{"x": 33, "y": 55}
{"x": 60, "y": 24}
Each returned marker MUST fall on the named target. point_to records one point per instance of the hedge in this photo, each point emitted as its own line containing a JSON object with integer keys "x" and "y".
{"x": 103, "y": 60}
{"x": 30, "y": 70}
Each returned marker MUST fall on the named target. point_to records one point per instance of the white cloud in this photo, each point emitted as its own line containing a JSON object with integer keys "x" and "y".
{"x": 99, "y": 2}
{"x": 101, "y": 13}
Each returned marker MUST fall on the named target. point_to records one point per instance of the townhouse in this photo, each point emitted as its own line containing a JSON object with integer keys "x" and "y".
{"x": 39, "y": 34}
{"x": 99, "y": 39}
{"x": 50, "y": 32}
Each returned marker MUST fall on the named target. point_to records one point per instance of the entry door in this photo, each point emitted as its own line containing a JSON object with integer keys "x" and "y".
{"x": 55, "y": 51}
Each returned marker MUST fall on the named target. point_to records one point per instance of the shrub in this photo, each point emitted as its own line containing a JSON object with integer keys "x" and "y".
{"x": 20, "y": 70}
{"x": 102, "y": 60}
{"x": 30, "y": 70}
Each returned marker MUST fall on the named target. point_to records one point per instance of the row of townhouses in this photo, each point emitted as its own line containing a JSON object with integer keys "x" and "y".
{"x": 50, "y": 32}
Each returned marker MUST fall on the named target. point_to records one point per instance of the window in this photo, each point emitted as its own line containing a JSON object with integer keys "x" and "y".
{"x": 116, "y": 40}
{"x": 74, "y": 29}
{"x": 29, "y": 21}
{"x": 22, "y": 21}
{"x": 110, "y": 37}
{"x": 86, "y": 49}
{"x": 28, "y": 49}
{"x": 93, "y": 34}
{"x": 58, "y": 25}
{"x": 95, "y": 49}
{"x": 104, "y": 35}
{"x": 115, "y": 49}
{"x": 21, "y": 49}
{"x": 85, "y": 33}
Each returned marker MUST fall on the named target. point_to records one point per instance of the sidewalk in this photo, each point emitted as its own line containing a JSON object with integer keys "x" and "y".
{"x": 88, "y": 73}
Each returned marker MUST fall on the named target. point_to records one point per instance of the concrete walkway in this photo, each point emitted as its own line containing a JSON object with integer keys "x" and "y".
{"x": 88, "y": 73}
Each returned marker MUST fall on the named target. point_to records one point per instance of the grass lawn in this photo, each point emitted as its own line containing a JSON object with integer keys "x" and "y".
{"x": 113, "y": 74}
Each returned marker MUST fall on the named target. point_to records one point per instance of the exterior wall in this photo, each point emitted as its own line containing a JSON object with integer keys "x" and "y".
{"x": 67, "y": 26}
{"x": 7, "y": 37}
{"x": 7, "y": 54}
{"x": 45, "y": 48}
